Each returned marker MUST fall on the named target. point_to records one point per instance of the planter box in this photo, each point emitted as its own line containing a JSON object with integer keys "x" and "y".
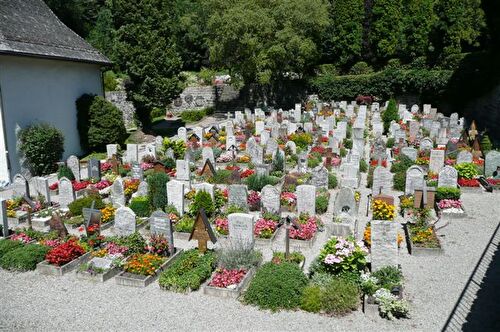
{"x": 136, "y": 280}
{"x": 303, "y": 244}
{"x": 267, "y": 242}
{"x": 421, "y": 251}
{"x": 100, "y": 277}
{"x": 229, "y": 293}
{"x": 181, "y": 236}
{"x": 52, "y": 270}
{"x": 451, "y": 215}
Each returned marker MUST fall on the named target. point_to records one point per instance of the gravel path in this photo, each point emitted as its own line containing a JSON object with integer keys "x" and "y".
{"x": 29, "y": 301}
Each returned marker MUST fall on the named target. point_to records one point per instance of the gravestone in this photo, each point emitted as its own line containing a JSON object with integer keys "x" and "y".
{"x": 264, "y": 137}
{"x": 426, "y": 144}
{"x": 182, "y": 172}
{"x": 142, "y": 189}
{"x": 117, "y": 193}
{"x": 270, "y": 198}
{"x": 158, "y": 143}
{"x": 20, "y": 186}
{"x": 320, "y": 177}
{"x": 207, "y": 153}
{"x": 4, "y": 218}
{"x": 159, "y": 224}
{"x": 302, "y": 163}
{"x": 271, "y": 146}
{"x": 182, "y": 134}
{"x": 464, "y": 157}
{"x": 436, "y": 161}
{"x": 66, "y": 193}
{"x": 448, "y": 177}
{"x": 384, "y": 244}
{"x": 259, "y": 127}
{"x": 230, "y": 142}
{"x": 137, "y": 172}
{"x": 175, "y": 195}
{"x": 414, "y": 127}
{"x": 379, "y": 149}
{"x": 206, "y": 187}
{"x": 492, "y": 165}
{"x": 91, "y": 217}
{"x": 306, "y": 199}
{"x": 241, "y": 230}
{"x": 132, "y": 153}
{"x": 94, "y": 169}
{"x": 292, "y": 147}
{"x": 414, "y": 179}
{"x": 383, "y": 180}
{"x": 410, "y": 152}
{"x": 57, "y": 225}
{"x": 41, "y": 186}
{"x": 202, "y": 231}
{"x": 238, "y": 195}
{"x": 74, "y": 165}
{"x": 124, "y": 222}
{"x": 111, "y": 150}
{"x": 345, "y": 201}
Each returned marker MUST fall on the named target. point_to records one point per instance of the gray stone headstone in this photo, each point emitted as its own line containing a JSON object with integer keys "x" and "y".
{"x": 241, "y": 230}
{"x": 159, "y": 223}
{"x": 182, "y": 134}
{"x": 292, "y": 147}
{"x": 270, "y": 198}
{"x": 426, "y": 144}
{"x": 74, "y": 165}
{"x": 94, "y": 169}
{"x": 410, "y": 152}
{"x": 182, "y": 171}
{"x": 41, "y": 186}
{"x": 158, "y": 143}
{"x": 206, "y": 187}
{"x": 414, "y": 179}
{"x": 132, "y": 154}
{"x": 264, "y": 137}
{"x": 137, "y": 172}
{"x": 66, "y": 193}
{"x": 259, "y": 127}
{"x": 448, "y": 177}
{"x": 207, "y": 153}
{"x": 142, "y": 189}
{"x": 306, "y": 199}
{"x": 238, "y": 195}
{"x": 436, "y": 161}
{"x": 111, "y": 149}
{"x": 117, "y": 193}
{"x": 383, "y": 180}
{"x": 384, "y": 244}
{"x": 20, "y": 186}
{"x": 124, "y": 221}
{"x": 345, "y": 202}
{"x": 175, "y": 195}
{"x": 271, "y": 146}
{"x": 492, "y": 164}
{"x": 3, "y": 217}
{"x": 320, "y": 177}
{"x": 464, "y": 157}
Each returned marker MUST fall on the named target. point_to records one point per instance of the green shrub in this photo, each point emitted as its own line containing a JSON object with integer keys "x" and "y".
{"x": 486, "y": 144}
{"x": 188, "y": 272}
{"x": 110, "y": 83}
{"x": 256, "y": 182}
{"x": 157, "y": 190}
{"x": 169, "y": 163}
{"x": 192, "y": 115}
{"x": 278, "y": 162}
{"x": 184, "y": 225}
{"x": 207, "y": 75}
{"x": 222, "y": 176}
{"x": 140, "y": 205}
{"x": 399, "y": 181}
{"x": 106, "y": 125}
{"x": 361, "y": 68}
{"x": 321, "y": 204}
{"x": 235, "y": 256}
{"x": 391, "y": 113}
{"x": 369, "y": 177}
{"x": 24, "y": 258}
{"x": 332, "y": 181}
{"x": 311, "y": 299}
{"x": 77, "y": 205}
{"x": 390, "y": 142}
{"x": 234, "y": 209}
{"x": 339, "y": 297}
{"x": 83, "y": 121}
{"x": 65, "y": 172}
{"x": 447, "y": 193}
{"x": 402, "y": 163}
{"x": 202, "y": 199}
{"x": 388, "y": 277}
{"x": 348, "y": 143}
{"x": 134, "y": 242}
{"x": 466, "y": 170}
{"x": 8, "y": 245}
{"x": 157, "y": 112}
{"x": 343, "y": 152}
{"x": 277, "y": 286}
{"x": 43, "y": 146}
{"x": 363, "y": 166}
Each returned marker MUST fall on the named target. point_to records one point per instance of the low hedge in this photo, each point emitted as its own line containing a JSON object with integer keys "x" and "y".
{"x": 189, "y": 271}
{"x": 24, "y": 258}
{"x": 141, "y": 206}
{"x": 77, "y": 205}
{"x": 8, "y": 245}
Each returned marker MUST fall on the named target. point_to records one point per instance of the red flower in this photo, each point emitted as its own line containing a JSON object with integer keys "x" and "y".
{"x": 224, "y": 278}
{"x": 64, "y": 253}
{"x": 468, "y": 182}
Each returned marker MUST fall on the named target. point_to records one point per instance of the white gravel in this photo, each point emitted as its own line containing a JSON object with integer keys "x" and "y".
{"x": 29, "y": 301}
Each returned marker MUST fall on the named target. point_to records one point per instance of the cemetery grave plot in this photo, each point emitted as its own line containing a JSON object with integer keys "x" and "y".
{"x": 257, "y": 182}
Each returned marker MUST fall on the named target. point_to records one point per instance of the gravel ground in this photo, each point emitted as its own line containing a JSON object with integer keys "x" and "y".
{"x": 29, "y": 301}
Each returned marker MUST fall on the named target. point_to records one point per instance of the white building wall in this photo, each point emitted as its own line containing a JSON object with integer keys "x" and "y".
{"x": 42, "y": 90}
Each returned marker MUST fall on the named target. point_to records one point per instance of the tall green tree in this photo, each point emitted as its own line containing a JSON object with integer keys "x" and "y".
{"x": 386, "y": 30}
{"x": 343, "y": 38}
{"x": 263, "y": 41}
{"x": 419, "y": 20}
{"x": 79, "y": 15}
{"x": 102, "y": 35}
{"x": 146, "y": 51}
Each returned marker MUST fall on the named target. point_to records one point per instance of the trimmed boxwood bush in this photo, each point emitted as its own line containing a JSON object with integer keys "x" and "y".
{"x": 256, "y": 182}
{"x": 65, "y": 172}
{"x": 24, "y": 258}
{"x": 202, "y": 199}
{"x": 447, "y": 193}
{"x": 277, "y": 286}
{"x": 8, "y": 245}
{"x": 157, "y": 190}
{"x": 332, "y": 181}
{"x": 77, "y": 205}
{"x": 189, "y": 271}
{"x": 192, "y": 115}
{"x": 43, "y": 146}
{"x": 140, "y": 205}
{"x": 339, "y": 297}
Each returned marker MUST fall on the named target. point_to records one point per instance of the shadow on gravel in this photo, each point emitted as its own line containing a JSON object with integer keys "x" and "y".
{"x": 482, "y": 311}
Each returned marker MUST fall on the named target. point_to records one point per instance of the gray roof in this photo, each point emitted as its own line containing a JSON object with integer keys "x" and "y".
{"x": 29, "y": 27}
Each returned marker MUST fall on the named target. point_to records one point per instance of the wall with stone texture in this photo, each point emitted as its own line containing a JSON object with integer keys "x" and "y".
{"x": 119, "y": 99}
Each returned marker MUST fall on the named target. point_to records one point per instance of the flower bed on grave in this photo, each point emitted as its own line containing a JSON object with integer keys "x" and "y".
{"x": 63, "y": 258}
{"x": 294, "y": 257}
{"x": 421, "y": 237}
{"x": 448, "y": 203}
{"x": 104, "y": 263}
{"x": 305, "y": 236}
